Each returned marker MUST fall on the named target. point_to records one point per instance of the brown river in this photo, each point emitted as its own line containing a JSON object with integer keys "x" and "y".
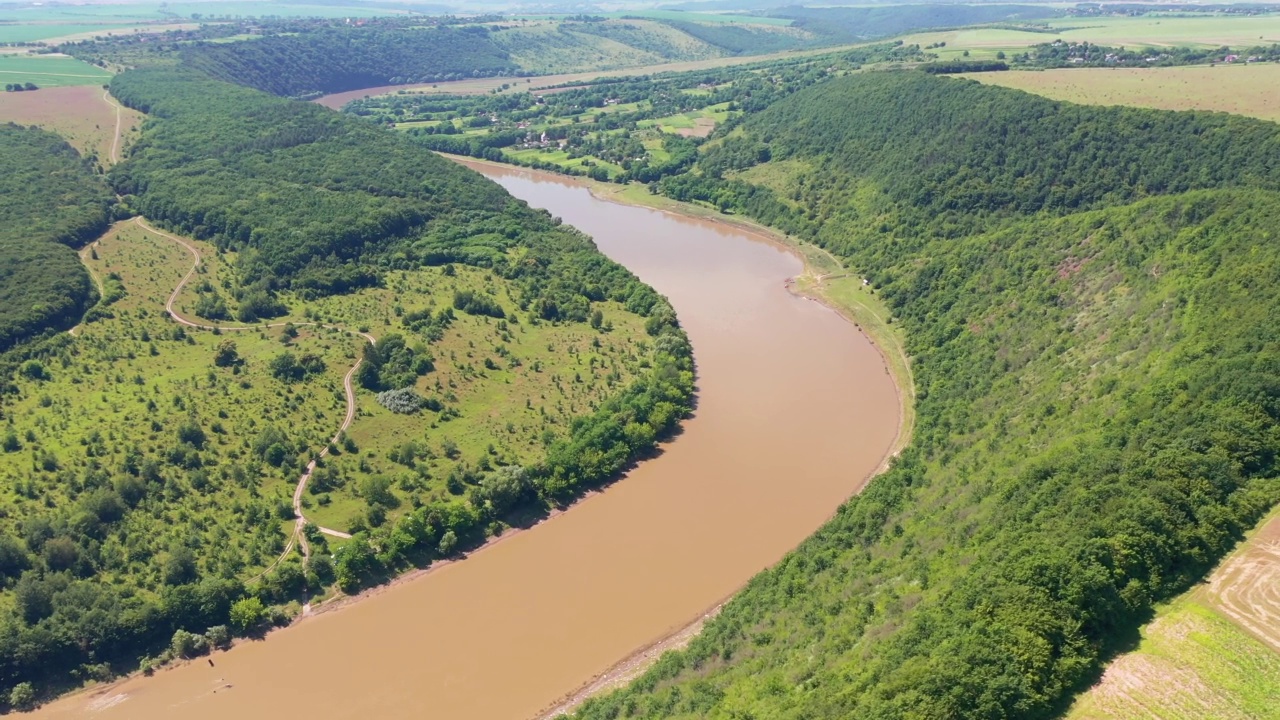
{"x": 796, "y": 409}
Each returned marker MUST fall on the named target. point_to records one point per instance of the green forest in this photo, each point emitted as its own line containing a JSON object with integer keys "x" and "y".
{"x": 54, "y": 204}
{"x": 1088, "y": 296}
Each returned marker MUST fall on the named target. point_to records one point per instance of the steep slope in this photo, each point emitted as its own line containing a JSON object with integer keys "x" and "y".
{"x": 336, "y": 59}
{"x": 1090, "y": 300}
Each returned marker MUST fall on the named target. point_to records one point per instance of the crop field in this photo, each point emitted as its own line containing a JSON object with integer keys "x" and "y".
{"x": 79, "y": 113}
{"x": 1153, "y": 31}
{"x": 1240, "y": 89}
{"x": 50, "y": 71}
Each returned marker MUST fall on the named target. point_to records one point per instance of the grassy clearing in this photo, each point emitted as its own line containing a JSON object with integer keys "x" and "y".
{"x": 1240, "y": 89}
{"x": 50, "y": 71}
{"x": 119, "y": 397}
{"x": 698, "y": 123}
{"x": 561, "y": 158}
{"x": 78, "y": 113}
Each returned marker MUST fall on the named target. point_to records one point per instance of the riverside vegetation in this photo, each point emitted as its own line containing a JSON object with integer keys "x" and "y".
{"x": 148, "y": 466}
{"x": 1092, "y": 327}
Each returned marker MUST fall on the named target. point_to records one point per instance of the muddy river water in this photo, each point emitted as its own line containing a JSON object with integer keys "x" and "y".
{"x": 795, "y": 410}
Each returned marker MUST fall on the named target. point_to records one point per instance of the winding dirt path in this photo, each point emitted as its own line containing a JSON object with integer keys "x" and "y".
{"x": 298, "y": 537}
{"x": 115, "y": 139}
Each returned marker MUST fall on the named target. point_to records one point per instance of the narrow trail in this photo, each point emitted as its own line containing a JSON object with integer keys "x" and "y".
{"x": 115, "y": 139}
{"x": 298, "y": 537}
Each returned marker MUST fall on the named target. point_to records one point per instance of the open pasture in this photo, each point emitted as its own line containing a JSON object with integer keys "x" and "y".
{"x": 79, "y": 113}
{"x": 1240, "y": 89}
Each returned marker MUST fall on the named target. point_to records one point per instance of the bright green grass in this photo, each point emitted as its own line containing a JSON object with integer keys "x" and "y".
{"x": 559, "y": 157}
{"x": 47, "y": 71}
{"x": 687, "y": 121}
{"x": 537, "y": 379}
{"x": 131, "y": 382}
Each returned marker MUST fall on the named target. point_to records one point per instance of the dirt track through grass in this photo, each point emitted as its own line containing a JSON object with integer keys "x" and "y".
{"x": 298, "y": 537}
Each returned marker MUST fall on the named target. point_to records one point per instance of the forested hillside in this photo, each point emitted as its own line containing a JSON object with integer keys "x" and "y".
{"x": 302, "y": 191}
{"x": 1090, "y": 301}
{"x": 53, "y": 202}
{"x": 850, "y": 24}
{"x": 332, "y": 60}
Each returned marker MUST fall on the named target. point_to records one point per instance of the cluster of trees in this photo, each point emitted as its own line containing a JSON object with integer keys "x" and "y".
{"x": 330, "y": 60}
{"x": 1059, "y": 54}
{"x": 963, "y": 66}
{"x": 53, "y": 202}
{"x": 1002, "y": 154}
{"x": 20, "y": 87}
{"x": 1093, "y": 334}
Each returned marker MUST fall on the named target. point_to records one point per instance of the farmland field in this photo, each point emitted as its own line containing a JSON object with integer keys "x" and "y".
{"x": 1243, "y": 90}
{"x": 1150, "y": 31}
{"x": 1213, "y": 652}
{"x": 50, "y": 71}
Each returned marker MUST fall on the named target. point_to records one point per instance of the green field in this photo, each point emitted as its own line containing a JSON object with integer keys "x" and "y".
{"x": 47, "y": 71}
{"x": 1146, "y": 31}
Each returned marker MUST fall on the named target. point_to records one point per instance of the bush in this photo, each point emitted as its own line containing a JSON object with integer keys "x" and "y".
{"x": 403, "y": 401}
{"x": 22, "y": 697}
{"x": 247, "y": 614}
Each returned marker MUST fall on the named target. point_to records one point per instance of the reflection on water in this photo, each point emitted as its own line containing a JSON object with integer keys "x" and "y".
{"x": 795, "y": 409}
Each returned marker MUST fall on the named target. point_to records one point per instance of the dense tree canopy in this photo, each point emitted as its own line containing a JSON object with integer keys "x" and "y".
{"x": 53, "y": 202}
{"x": 1090, "y": 301}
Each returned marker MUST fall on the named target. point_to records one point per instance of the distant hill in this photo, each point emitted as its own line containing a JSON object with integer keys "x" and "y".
{"x": 338, "y": 59}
